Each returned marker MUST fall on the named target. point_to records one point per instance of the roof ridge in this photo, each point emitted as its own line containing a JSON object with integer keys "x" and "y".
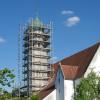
{"x": 97, "y": 45}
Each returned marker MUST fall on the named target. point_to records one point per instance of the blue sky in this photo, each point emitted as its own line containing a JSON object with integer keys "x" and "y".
{"x": 76, "y": 25}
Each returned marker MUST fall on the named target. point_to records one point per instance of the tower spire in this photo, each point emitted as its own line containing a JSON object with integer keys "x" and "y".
{"x": 37, "y": 14}
{"x": 37, "y": 9}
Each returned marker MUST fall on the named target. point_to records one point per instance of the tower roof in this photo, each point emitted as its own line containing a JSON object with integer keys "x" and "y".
{"x": 37, "y": 22}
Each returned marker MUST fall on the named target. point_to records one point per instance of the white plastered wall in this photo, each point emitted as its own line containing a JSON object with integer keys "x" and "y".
{"x": 68, "y": 89}
{"x": 51, "y": 96}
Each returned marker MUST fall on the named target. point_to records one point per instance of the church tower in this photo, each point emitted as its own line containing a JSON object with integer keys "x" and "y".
{"x": 36, "y": 55}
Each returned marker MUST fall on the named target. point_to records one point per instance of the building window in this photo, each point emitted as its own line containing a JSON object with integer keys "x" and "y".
{"x": 59, "y": 80}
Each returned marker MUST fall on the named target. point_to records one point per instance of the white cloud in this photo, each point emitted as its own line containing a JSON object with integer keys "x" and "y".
{"x": 72, "y": 21}
{"x": 67, "y": 12}
{"x": 2, "y": 40}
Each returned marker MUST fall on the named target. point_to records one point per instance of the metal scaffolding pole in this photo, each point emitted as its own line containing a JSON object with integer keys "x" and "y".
{"x": 19, "y": 60}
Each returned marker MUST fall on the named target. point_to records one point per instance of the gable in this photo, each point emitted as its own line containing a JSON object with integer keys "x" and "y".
{"x": 59, "y": 74}
{"x": 95, "y": 63}
{"x": 96, "y": 59}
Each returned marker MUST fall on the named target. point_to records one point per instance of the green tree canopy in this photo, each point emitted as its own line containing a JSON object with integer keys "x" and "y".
{"x": 89, "y": 88}
{"x": 6, "y": 77}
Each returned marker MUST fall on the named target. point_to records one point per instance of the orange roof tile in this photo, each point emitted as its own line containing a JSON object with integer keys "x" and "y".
{"x": 70, "y": 72}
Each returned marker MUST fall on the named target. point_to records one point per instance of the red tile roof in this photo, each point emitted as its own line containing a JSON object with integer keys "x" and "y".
{"x": 70, "y": 72}
{"x": 81, "y": 59}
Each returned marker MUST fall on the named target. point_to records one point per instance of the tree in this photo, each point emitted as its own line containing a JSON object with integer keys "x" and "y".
{"x": 6, "y": 78}
{"x": 89, "y": 88}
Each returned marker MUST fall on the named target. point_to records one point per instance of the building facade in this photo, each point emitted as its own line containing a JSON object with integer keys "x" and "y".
{"x": 69, "y": 72}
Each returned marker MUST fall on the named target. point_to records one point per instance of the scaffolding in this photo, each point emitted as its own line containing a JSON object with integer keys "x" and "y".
{"x": 36, "y": 56}
{"x": 19, "y": 60}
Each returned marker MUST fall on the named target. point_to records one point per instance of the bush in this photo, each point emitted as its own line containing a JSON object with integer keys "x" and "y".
{"x": 89, "y": 88}
{"x": 35, "y": 97}
{"x": 5, "y": 96}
